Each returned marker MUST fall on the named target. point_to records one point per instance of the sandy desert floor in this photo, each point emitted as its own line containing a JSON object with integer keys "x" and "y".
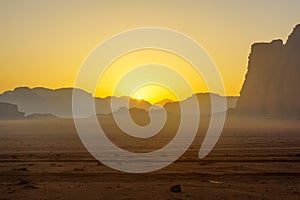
{"x": 253, "y": 159}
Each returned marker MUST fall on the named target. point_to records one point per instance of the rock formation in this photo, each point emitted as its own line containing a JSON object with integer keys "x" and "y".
{"x": 10, "y": 112}
{"x": 59, "y": 102}
{"x": 272, "y": 85}
{"x": 43, "y": 101}
{"x": 204, "y": 103}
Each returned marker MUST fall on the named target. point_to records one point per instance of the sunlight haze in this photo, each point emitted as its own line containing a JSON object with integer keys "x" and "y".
{"x": 43, "y": 43}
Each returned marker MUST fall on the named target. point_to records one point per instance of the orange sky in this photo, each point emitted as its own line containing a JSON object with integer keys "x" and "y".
{"x": 43, "y": 43}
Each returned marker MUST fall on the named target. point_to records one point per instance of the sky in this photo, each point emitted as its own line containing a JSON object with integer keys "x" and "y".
{"x": 44, "y": 43}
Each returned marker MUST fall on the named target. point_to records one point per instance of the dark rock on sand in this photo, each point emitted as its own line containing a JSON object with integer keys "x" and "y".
{"x": 176, "y": 188}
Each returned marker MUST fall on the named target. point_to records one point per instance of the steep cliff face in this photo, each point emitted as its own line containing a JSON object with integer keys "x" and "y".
{"x": 272, "y": 85}
{"x": 291, "y": 84}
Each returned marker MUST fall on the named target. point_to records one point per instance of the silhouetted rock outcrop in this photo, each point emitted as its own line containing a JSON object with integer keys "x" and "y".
{"x": 10, "y": 112}
{"x": 272, "y": 82}
{"x": 164, "y": 102}
{"x": 120, "y": 102}
{"x": 41, "y": 116}
{"x": 176, "y": 188}
{"x": 43, "y": 101}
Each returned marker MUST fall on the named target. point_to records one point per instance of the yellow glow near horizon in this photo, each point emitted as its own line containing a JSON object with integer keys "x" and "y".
{"x": 153, "y": 94}
{"x": 139, "y": 97}
{"x": 158, "y": 65}
{"x": 43, "y": 43}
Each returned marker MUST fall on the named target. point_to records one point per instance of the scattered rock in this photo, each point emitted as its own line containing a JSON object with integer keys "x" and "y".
{"x": 79, "y": 169}
{"x": 10, "y": 191}
{"x": 22, "y": 182}
{"x": 30, "y": 187}
{"x": 176, "y": 188}
{"x": 21, "y": 169}
{"x": 263, "y": 182}
{"x": 215, "y": 182}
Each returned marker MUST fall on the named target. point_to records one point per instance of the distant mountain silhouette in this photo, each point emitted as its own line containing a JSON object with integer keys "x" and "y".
{"x": 204, "y": 104}
{"x": 272, "y": 85}
{"x": 41, "y": 116}
{"x": 43, "y": 102}
{"x": 133, "y": 103}
{"x": 163, "y": 102}
{"x": 10, "y": 112}
{"x": 59, "y": 102}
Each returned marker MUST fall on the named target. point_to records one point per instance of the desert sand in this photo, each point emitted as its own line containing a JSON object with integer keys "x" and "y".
{"x": 253, "y": 159}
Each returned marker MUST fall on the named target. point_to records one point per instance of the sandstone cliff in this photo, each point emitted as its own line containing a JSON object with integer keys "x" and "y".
{"x": 272, "y": 85}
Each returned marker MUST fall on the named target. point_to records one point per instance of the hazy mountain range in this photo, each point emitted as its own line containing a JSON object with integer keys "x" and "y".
{"x": 271, "y": 88}
{"x": 59, "y": 102}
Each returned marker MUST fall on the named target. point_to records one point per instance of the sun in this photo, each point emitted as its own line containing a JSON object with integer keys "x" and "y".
{"x": 153, "y": 93}
{"x": 139, "y": 97}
